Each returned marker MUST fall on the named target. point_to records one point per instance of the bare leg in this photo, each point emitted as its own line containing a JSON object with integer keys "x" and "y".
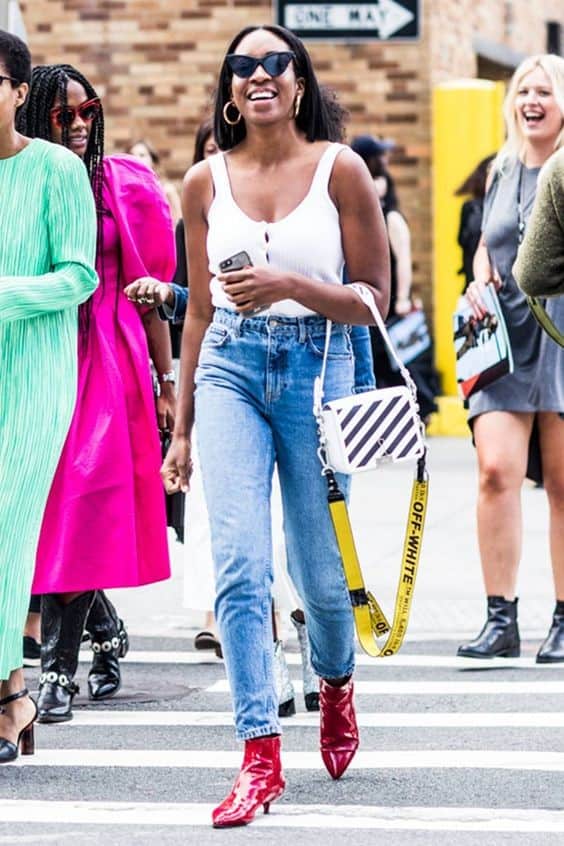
{"x": 209, "y": 622}
{"x": 502, "y": 441}
{"x": 32, "y": 626}
{"x": 551, "y": 430}
{"x": 16, "y": 715}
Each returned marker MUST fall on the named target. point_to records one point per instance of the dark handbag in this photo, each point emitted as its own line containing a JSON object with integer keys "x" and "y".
{"x": 175, "y": 503}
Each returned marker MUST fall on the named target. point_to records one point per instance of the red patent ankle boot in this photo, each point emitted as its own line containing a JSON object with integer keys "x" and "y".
{"x": 260, "y": 782}
{"x": 338, "y": 728}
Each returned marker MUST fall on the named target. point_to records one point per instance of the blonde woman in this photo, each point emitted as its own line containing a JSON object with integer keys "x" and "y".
{"x": 518, "y": 422}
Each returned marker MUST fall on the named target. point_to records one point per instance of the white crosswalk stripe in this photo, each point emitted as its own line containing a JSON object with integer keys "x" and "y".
{"x": 75, "y": 747}
{"x": 292, "y": 816}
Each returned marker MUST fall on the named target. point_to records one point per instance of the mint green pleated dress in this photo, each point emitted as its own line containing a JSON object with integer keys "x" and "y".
{"x": 47, "y": 255}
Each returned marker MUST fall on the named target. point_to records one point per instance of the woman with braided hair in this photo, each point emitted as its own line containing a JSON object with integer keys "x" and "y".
{"x": 48, "y": 226}
{"x": 105, "y": 522}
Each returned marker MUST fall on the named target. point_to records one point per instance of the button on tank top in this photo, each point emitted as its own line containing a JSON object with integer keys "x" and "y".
{"x": 307, "y": 241}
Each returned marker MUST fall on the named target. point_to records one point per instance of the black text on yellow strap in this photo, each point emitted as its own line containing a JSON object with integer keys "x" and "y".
{"x": 369, "y": 619}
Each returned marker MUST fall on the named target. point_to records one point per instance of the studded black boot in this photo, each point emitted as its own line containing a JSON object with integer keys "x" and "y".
{"x": 552, "y": 650}
{"x": 61, "y": 634}
{"x": 109, "y": 643}
{"x": 500, "y": 636}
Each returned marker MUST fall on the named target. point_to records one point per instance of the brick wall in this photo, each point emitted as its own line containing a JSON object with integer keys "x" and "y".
{"x": 519, "y": 25}
{"x": 155, "y": 64}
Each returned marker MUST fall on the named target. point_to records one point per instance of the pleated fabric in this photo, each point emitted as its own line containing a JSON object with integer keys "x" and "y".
{"x": 47, "y": 255}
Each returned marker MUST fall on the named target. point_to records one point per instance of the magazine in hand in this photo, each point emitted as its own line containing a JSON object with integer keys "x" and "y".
{"x": 483, "y": 350}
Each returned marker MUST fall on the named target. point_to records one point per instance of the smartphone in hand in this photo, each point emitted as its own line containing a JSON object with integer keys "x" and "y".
{"x": 237, "y": 262}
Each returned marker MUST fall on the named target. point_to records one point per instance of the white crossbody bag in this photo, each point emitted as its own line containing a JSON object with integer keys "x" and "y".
{"x": 364, "y": 430}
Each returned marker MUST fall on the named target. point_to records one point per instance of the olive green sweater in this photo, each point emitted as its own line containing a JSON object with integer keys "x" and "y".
{"x": 539, "y": 269}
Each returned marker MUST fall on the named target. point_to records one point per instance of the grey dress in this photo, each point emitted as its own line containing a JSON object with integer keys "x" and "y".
{"x": 537, "y": 383}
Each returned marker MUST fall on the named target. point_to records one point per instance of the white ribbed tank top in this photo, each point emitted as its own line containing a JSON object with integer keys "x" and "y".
{"x": 307, "y": 241}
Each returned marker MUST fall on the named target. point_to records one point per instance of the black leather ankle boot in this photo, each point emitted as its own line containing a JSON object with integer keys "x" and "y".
{"x": 500, "y": 636}
{"x": 61, "y": 634}
{"x": 552, "y": 650}
{"x": 109, "y": 642}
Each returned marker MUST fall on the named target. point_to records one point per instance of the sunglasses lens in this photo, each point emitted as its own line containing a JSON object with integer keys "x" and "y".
{"x": 243, "y": 66}
{"x": 64, "y": 117}
{"x": 90, "y": 112}
{"x": 276, "y": 63}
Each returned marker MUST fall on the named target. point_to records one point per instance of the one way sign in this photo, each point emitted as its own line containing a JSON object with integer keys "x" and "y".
{"x": 385, "y": 20}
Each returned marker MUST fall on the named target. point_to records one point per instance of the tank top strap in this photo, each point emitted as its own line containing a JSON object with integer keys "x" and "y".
{"x": 325, "y": 167}
{"x": 220, "y": 176}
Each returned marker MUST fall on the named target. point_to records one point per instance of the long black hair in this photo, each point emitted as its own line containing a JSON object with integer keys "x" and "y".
{"x": 205, "y": 129}
{"x": 475, "y": 182}
{"x": 49, "y": 82}
{"x": 318, "y": 118}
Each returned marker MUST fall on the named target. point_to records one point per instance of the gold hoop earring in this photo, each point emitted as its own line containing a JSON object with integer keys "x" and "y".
{"x": 297, "y": 105}
{"x": 226, "y": 116}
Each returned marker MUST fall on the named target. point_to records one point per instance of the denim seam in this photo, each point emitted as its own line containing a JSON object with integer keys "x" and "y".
{"x": 264, "y": 731}
{"x": 346, "y": 672}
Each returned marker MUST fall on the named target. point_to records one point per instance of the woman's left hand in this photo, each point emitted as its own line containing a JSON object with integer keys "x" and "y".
{"x": 166, "y": 406}
{"x": 254, "y": 287}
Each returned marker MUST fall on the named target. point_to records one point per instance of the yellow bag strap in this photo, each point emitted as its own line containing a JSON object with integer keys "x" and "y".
{"x": 370, "y": 620}
{"x": 544, "y": 320}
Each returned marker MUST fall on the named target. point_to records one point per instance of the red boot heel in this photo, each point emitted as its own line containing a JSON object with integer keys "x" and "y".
{"x": 338, "y": 728}
{"x": 260, "y": 782}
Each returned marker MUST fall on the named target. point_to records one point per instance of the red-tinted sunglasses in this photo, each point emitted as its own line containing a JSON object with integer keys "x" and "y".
{"x": 66, "y": 115}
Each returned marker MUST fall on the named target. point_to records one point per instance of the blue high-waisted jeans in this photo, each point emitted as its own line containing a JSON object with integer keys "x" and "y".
{"x": 254, "y": 399}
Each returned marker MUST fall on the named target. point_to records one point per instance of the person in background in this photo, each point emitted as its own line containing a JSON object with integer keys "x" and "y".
{"x": 470, "y": 229}
{"x": 145, "y": 152}
{"x": 522, "y": 413}
{"x": 96, "y": 531}
{"x": 48, "y": 226}
{"x": 373, "y": 152}
{"x": 539, "y": 269}
{"x": 253, "y": 339}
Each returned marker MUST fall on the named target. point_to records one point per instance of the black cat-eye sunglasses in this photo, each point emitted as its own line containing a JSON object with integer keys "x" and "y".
{"x": 244, "y": 66}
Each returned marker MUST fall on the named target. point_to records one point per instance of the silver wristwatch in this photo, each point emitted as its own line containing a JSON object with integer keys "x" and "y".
{"x": 169, "y": 376}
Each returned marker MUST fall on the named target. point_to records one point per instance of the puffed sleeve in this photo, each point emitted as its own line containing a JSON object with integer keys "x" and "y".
{"x": 142, "y": 215}
{"x": 539, "y": 268}
{"x": 71, "y": 223}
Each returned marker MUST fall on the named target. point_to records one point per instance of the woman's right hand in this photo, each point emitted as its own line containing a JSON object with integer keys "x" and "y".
{"x": 149, "y": 291}
{"x": 475, "y": 293}
{"x": 177, "y": 466}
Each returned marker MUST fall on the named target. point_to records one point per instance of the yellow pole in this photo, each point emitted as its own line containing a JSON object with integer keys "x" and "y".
{"x": 467, "y": 127}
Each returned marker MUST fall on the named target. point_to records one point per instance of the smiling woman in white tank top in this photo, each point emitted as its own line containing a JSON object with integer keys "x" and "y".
{"x": 299, "y": 206}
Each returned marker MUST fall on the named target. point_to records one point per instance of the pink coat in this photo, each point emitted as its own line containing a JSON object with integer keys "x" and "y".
{"x": 105, "y": 522}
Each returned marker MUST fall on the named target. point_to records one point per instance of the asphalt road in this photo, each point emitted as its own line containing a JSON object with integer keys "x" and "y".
{"x": 449, "y": 754}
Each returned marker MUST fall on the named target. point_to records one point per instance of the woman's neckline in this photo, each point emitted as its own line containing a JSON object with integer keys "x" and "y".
{"x": 19, "y": 152}
{"x": 529, "y": 168}
{"x": 292, "y": 211}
